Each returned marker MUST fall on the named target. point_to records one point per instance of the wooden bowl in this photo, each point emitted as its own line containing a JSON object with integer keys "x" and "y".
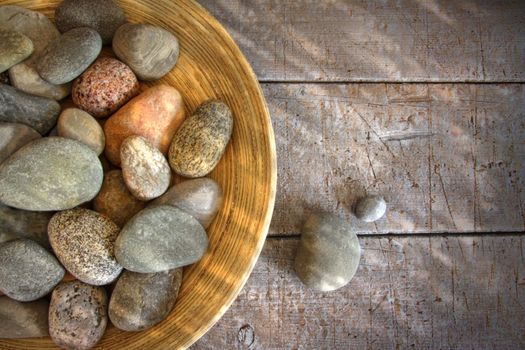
{"x": 210, "y": 66}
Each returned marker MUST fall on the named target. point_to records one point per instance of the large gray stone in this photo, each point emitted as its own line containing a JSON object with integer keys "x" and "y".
{"x": 14, "y": 48}
{"x": 25, "y": 224}
{"x": 160, "y": 238}
{"x": 51, "y": 173}
{"x": 13, "y": 136}
{"x": 23, "y": 320}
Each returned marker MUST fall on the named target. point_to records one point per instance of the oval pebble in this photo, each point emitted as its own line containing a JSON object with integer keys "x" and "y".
{"x": 159, "y": 239}
{"x": 142, "y": 300}
{"x": 27, "y": 271}
{"x": 25, "y": 78}
{"x": 105, "y": 87}
{"x": 146, "y": 172}
{"x": 150, "y": 51}
{"x": 13, "y": 136}
{"x": 74, "y": 123}
{"x": 370, "y": 209}
{"x": 14, "y": 48}
{"x": 23, "y": 320}
{"x": 200, "y": 142}
{"x": 77, "y": 315}
{"x": 83, "y": 240}
{"x": 66, "y": 57}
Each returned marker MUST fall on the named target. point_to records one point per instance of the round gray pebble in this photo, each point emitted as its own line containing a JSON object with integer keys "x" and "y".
{"x": 370, "y": 209}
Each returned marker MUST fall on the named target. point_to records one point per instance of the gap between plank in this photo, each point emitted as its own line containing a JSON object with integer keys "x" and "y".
{"x": 341, "y": 82}
{"x": 416, "y": 235}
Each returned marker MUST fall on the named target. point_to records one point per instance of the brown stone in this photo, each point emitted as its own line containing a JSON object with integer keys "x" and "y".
{"x": 76, "y": 124}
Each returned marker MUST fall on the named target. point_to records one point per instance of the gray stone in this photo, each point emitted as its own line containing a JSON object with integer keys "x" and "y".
{"x": 142, "y": 300}
{"x": 83, "y": 240}
{"x": 25, "y": 224}
{"x": 66, "y": 57}
{"x": 77, "y": 315}
{"x": 76, "y": 124}
{"x": 328, "y": 254}
{"x": 23, "y": 320}
{"x": 146, "y": 171}
{"x": 104, "y": 16}
{"x": 18, "y": 107}
{"x": 201, "y": 198}
{"x": 14, "y": 48}
{"x": 27, "y": 271}
{"x": 13, "y": 136}
{"x": 6, "y": 236}
{"x": 51, "y": 173}
{"x": 160, "y": 238}
{"x": 25, "y": 78}
{"x": 199, "y": 144}
{"x": 370, "y": 209}
{"x": 150, "y": 51}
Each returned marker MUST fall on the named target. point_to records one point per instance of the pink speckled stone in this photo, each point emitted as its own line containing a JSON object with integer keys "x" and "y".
{"x": 105, "y": 87}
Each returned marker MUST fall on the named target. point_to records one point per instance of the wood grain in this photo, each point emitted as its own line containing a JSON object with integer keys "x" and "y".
{"x": 447, "y": 157}
{"x": 409, "y": 292}
{"x": 378, "y": 40}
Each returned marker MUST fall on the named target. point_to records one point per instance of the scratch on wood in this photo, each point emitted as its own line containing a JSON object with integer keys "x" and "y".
{"x": 436, "y": 171}
{"x": 402, "y": 136}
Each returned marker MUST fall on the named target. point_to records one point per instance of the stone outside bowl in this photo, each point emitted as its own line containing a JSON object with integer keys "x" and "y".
{"x": 210, "y": 66}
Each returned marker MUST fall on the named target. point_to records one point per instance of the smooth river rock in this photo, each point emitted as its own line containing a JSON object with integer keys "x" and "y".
{"x": 25, "y": 224}
{"x": 68, "y": 56}
{"x": 155, "y": 114}
{"x": 77, "y": 315}
{"x": 25, "y": 78}
{"x": 13, "y": 136}
{"x": 150, "y": 51}
{"x": 146, "y": 171}
{"x": 199, "y": 144}
{"x": 370, "y": 209}
{"x": 160, "y": 238}
{"x": 74, "y": 123}
{"x": 104, "y": 16}
{"x": 18, "y": 107}
{"x": 201, "y": 198}
{"x": 83, "y": 240}
{"x": 115, "y": 200}
{"x": 14, "y": 48}
{"x": 105, "y": 87}
{"x": 27, "y": 271}
{"x": 57, "y": 174}
{"x": 23, "y": 320}
{"x": 142, "y": 300}
{"x": 328, "y": 254}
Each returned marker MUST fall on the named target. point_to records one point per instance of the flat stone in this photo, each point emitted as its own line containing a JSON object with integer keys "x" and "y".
{"x": 155, "y": 114}
{"x": 18, "y": 107}
{"x": 74, "y": 123}
{"x": 25, "y": 78}
{"x": 115, "y": 200}
{"x": 146, "y": 172}
{"x": 68, "y": 56}
{"x": 159, "y": 239}
{"x": 370, "y": 209}
{"x": 23, "y": 320}
{"x": 201, "y": 198}
{"x": 83, "y": 240}
{"x": 150, "y": 51}
{"x": 25, "y": 224}
{"x": 328, "y": 254}
{"x": 58, "y": 174}
{"x": 14, "y": 48}
{"x": 104, "y": 16}
{"x": 27, "y": 271}
{"x": 13, "y": 136}
{"x": 105, "y": 87}
{"x": 199, "y": 144}
{"x": 77, "y": 315}
{"x": 142, "y": 300}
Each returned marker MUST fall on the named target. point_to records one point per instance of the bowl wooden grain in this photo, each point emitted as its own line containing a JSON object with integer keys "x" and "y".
{"x": 210, "y": 66}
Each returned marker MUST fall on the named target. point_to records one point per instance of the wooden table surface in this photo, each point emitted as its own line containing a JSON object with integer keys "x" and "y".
{"x": 423, "y": 102}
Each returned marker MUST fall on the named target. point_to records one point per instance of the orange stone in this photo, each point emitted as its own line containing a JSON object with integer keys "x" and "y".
{"x": 155, "y": 114}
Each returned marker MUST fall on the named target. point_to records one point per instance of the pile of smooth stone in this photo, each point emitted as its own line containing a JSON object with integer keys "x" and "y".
{"x": 88, "y": 193}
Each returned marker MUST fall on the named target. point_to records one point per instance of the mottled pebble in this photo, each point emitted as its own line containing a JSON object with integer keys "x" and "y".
{"x": 160, "y": 238}
{"x": 76, "y": 124}
{"x": 142, "y": 300}
{"x": 25, "y": 78}
{"x": 370, "y": 209}
{"x": 83, "y": 240}
{"x": 201, "y": 198}
{"x": 23, "y": 320}
{"x": 14, "y": 48}
{"x": 200, "y": 142}
{"x": 328, "y": 254}
{"x": 27, "y": 271}
{"x": 13, "y": 136}
{"x": 77, "y": 315}
{"x": 150, "y": 51}
{"x": 25, "y": 224}
{"x": 58, "y": 174}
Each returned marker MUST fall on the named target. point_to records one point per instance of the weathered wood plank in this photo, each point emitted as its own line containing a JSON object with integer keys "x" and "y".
{"x": 447, "y": 158}
{"x": 417, "y": 292}
{"x": 379, "y": 40}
